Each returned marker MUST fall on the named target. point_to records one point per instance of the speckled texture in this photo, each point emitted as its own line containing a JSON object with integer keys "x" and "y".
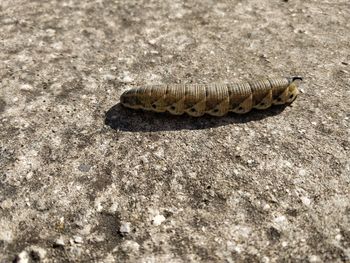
{"x": 83, "y": 179}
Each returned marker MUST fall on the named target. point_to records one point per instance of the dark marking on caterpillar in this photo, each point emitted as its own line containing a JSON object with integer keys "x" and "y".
{"x": 213, "y": 99}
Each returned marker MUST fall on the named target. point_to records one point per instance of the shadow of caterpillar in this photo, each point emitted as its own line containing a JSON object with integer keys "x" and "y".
{"x": 213, "y": 99}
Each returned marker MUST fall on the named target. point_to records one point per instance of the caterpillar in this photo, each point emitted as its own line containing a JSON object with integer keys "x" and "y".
{"x": 213, "y": 99}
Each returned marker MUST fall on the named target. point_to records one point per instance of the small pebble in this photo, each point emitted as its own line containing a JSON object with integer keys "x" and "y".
{"x": 158, "y": 220}
{"x": 125, "y": 228}
{"x": 109, "y": 77}
{"x": 266, "y": 207}
{"x": 281, "y": 222}
{"x": 338, "y": 237}
{"x": 78, "y": 239}
{"x": 22, "y": 257}
{"x": 305, "y": 200}
{"x": 26, "y": 87}
{"x": 152, "y": 41}
{"x": 314, "y": 259}
{"x": 59, "y": 242}
{"x": 302, "y": 172}
{"x": 98, "y": 238}
{"x": 29, "y": 175}
{"x": 50, "y": 32}
{"x": 250, "y": 162}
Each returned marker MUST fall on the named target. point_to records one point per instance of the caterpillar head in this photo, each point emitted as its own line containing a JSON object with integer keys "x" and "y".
{"x": 293, "y": 89}
{"x": 292, "y": 93}
{"x": 288, "y": 94}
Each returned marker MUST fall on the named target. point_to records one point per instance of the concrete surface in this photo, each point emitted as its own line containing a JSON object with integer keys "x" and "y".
{"x": 84, "y": 180}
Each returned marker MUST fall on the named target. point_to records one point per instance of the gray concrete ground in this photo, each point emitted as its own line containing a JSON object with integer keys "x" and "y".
{"x": 84, "y": 180}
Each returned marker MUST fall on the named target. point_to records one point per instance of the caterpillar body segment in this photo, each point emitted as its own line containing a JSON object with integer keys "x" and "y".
{"x": 213, "y": 99}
